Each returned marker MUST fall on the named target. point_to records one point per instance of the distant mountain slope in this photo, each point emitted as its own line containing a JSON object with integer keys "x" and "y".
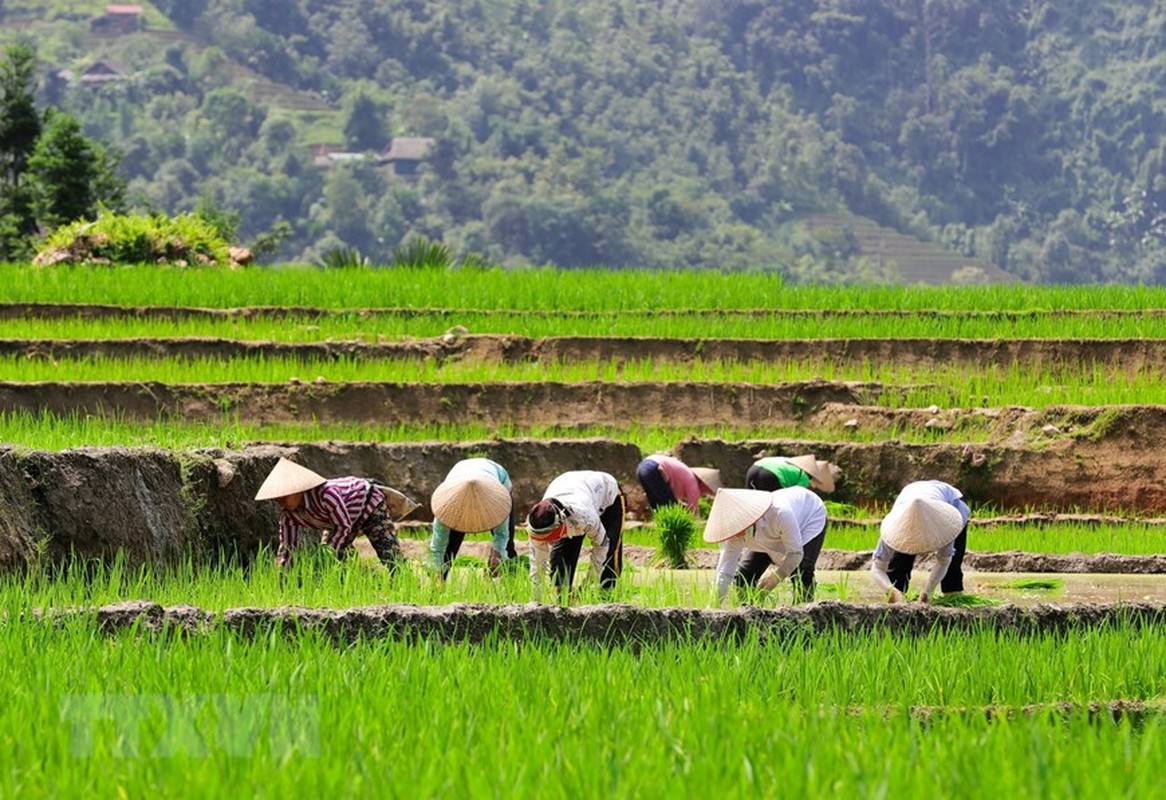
{"x": 677, "y": 133}
{"x": 914, "y": 260}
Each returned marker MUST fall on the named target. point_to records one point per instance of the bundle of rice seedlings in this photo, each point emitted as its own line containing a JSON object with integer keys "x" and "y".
{"x": 676, "y": 527}
{"x": 1041, "y": 584}
{"x": 964, "y": 600}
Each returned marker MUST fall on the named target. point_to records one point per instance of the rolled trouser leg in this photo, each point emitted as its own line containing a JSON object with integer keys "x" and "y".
{"x": 802, "y": 578}
{"x": 511, "y": 552}
{"x": 382, "y": 535}
{"x": 953, "y": 579}
{"x": 752, "y": 567}
{"x": 612, "y": 520}
{"x": 564, "y": 559}
{"x": 899, "y": 570}
{"x": 452, "y": 546}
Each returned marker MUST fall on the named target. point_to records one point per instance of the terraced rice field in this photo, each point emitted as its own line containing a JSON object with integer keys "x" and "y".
{"x": 141, "y": 407}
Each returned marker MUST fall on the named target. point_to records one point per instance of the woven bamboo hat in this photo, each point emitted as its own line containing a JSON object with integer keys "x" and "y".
{"x": 472, "y": 504}
{"x": 818, "y": 470}
{"x": 921, "y": 525}
{"x": 711, "y": 478}
{"x": 733, "y": 511}
{"x": 287, "y": 477}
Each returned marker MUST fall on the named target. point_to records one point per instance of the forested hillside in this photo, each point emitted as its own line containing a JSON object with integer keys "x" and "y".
{"x": 1023, "y": 133}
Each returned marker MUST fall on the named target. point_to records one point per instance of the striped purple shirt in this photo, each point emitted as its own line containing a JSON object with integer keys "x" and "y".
{"x": 335, "y": 506}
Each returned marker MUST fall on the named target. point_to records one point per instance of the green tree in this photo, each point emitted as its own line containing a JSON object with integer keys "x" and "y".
{"x": 20, "y": 126}
{"x": 366, "y": 121}
{"x": 63, "y": 172}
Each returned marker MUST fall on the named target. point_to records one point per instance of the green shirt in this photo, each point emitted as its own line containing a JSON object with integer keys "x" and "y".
{"x": 787, "y": 474}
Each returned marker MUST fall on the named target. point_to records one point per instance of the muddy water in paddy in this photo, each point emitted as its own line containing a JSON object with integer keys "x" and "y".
{"x": 856, "y": 585}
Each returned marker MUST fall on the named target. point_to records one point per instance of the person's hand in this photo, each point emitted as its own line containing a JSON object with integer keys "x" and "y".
{"x": 925, "y": 599}
{"x": 894, "y": 596}
{"x": 768, "y": 581}
{"x": 282, "y": 562}
{"x": 494, "y": 563}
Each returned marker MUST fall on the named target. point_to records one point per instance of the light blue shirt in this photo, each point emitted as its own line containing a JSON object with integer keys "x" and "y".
{"x": 464, "y": 469}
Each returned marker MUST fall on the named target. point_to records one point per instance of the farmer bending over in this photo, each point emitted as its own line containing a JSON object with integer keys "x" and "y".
{"x": 756, "y": 529}
{"x": 577, "y": 504}
{"x": 343, "y": 508}
{"x": 928, "y": 516}
{"x": 778, "y": 472}
{"x": 667, "y": 480}
{"x": 475, "y": 496}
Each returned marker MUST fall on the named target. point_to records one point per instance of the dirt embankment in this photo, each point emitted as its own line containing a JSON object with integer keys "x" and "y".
{"x": 155, "y": 506}
{"x": 841, "y": 410}
{"x": 1124, "y": 355}
{"x": 495, "y": 404}
{"x": 619, "y": 624}
{"x": 1113, "y": 464}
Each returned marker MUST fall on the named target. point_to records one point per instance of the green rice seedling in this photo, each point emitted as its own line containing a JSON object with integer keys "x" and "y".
{"x": 1131, "y": 538}
{"x": 950, "y": 385}
{"x": 53, "y": 432}
{"x": 836, "y": 510}
{"x": 202, "y": 715}
{"x": 964, "y": 600}
{"x": 1033, "y": 584}
{"x": 580, "y": 290}
{"x": 342, "y": 325}
{"x": 469, "y": 561}
{"x": 676, "y": 527}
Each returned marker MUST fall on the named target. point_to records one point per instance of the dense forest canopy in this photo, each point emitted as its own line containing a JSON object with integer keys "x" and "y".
{"x": 681, "y": 133}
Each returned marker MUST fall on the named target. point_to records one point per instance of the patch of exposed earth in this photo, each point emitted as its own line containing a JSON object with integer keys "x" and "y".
{"x": 1128, "y": 356}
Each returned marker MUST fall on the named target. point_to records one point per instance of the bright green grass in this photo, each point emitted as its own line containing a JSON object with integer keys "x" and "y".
{"x": 1132, "y": 538}
{"x": 948, "y": 385}
{"x": 317, "y": 579}
{"x": 727, "y": 323}
{"x": 812, "y": 716}
{"x": 50, "y": 432}
{"x": 607, "y": 290}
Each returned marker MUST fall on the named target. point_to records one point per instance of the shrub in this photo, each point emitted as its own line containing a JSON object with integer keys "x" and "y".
{"x": 421, "y": 253}
{"x": 676, "y": 526}
{"x": 343, "y": 258}
{"x": 184, "y": 240}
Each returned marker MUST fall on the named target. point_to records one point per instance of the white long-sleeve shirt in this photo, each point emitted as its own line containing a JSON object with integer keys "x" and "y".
{"x": 584, "y": 494}
{"x": 795, "y": 516}
{"x": 921, "y": 490}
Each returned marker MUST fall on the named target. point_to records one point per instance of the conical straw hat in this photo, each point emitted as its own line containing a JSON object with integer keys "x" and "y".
{"x": 921, "y": 526}
{"x": 287, "y": 477}
{"x": 733, "y": 511}
{"x": 471, "y": 505}
{"x": 818, "y": 470}
{"x": 709, "y": 477}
